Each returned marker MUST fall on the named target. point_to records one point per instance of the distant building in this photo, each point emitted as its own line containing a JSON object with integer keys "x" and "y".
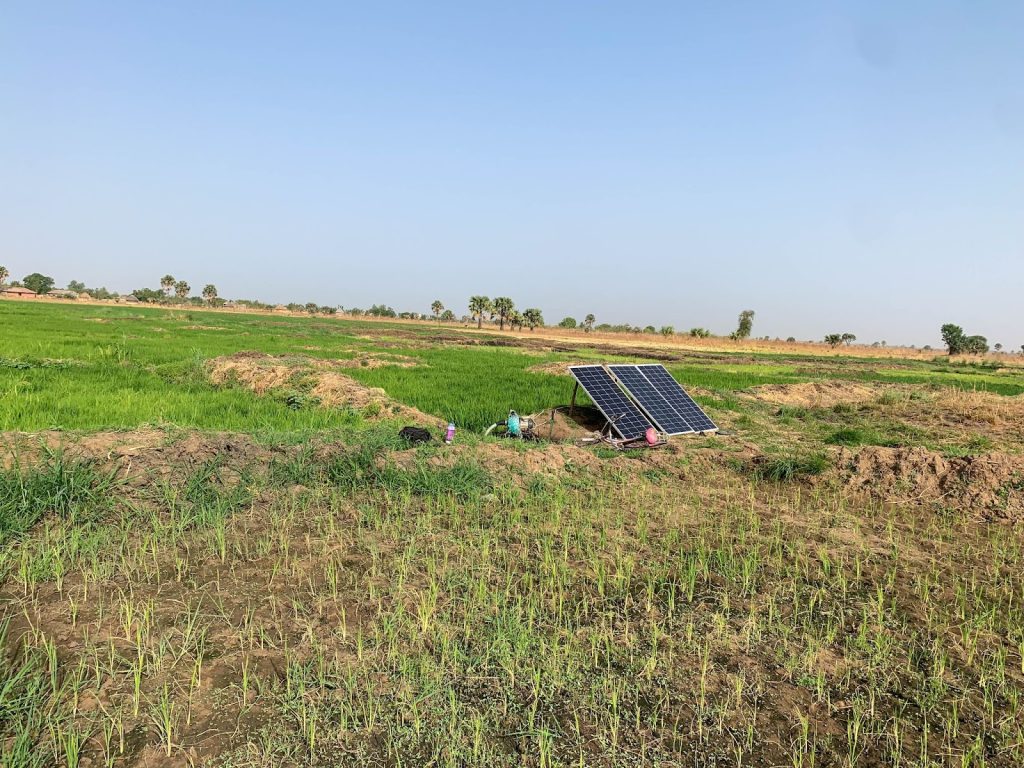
{"x": 229, "y": 305}
{"x": 280, "y": 308}
{"x": 62, "y": 294}
{"x": 18, "y": 292}
{"x": 131, "y": 298}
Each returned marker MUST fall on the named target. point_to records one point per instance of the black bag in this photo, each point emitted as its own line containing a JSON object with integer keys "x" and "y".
{"x": 415, "y": 435}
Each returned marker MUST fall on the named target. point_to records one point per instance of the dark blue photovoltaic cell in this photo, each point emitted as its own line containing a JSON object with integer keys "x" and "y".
{"x": 651, "y": 400}
{"x": 622, "y": 414}
{"x": 677, "y": 397}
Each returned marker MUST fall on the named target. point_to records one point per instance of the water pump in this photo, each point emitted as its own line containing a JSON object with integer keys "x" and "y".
{"x": 515, "y": 426}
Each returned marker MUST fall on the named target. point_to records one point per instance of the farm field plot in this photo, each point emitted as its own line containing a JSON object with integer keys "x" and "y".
{"x": 215, "y": 550}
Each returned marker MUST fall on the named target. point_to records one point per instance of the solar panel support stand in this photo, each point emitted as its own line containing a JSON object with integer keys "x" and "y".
{"x": 572, "y": 402}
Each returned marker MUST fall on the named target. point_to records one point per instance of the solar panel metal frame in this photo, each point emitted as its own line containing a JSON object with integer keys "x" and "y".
{"x": 580, "y": 371}
{"x": 652, "y": 402}
{"x": 678, "y": 397}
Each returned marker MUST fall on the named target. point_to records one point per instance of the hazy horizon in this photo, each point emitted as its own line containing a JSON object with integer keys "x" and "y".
{"x": 832, "y": 167}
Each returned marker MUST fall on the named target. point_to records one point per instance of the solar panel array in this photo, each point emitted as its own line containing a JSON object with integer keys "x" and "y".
{"x": 662, "y": 402}
{"x": 653, "y": 402}
{"x": 676, "y": 396}
{"x": 622, "y": 414}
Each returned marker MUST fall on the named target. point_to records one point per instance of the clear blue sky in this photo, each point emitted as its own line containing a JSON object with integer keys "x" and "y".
{"x": 833, "y": 166}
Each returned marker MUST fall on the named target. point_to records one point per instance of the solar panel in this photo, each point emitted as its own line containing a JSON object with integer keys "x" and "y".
{"x": 654, "y": 404}
{"x": 622, "y": 414}
{"x": 681, "y": 402}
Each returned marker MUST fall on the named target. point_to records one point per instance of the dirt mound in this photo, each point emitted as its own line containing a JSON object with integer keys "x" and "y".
{"x": 138, "y": 455}
{"x": 265, "y": 373}
{"x": 26, "y": 448}
{"x": 989, "y": 486}
{"x": 503, "y": 460}
{"x": 817, "y": 394}
{"x": 507, "y": 458}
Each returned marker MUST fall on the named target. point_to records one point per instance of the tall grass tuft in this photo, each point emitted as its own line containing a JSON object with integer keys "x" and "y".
{"x": 24, "y": 707}
{"x": 781, "y": 469}
{"x": 69, "y": 488}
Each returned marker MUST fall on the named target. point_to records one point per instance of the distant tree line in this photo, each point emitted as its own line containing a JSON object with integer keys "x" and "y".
{"x": 500, "y": 310}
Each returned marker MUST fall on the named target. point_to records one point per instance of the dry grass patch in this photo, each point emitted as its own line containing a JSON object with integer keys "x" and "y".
{"x": 818, "y": 394}
{"x": 557, "y": 368}
{"x": 264, "y": 374}
{"x": 983, "y": 420}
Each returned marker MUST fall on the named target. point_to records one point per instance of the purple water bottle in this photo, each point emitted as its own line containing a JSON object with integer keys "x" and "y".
{"x": 450, "y": 434}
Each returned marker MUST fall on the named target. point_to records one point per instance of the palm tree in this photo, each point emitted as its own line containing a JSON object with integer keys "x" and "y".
{"x": 503, "y": 307}
{"x": 533, "y": 317}
{"x": 4, "y": 274}
{"x": 182, "y": 289}
{"x": 437, "y": 308}
{"x": 478, "y": 305}
{"x": 210, "y": 292}
{"x": 588, "y": 323}
{"x": 167, "y": 283}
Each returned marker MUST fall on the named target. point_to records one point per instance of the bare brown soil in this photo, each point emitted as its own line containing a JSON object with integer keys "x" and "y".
{"x": 989, "y": 486}
{"x": 558, "y": 425}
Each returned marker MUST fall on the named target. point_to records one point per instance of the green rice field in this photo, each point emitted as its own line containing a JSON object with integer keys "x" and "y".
{"x": 100, "y": 367}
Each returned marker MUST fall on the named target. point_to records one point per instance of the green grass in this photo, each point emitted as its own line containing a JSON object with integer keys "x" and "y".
{"x": 81, "y": 367}
{"x": 474, "y": 387}
{"x": 67, "y": 488}
{"x": 780, "y": 469}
